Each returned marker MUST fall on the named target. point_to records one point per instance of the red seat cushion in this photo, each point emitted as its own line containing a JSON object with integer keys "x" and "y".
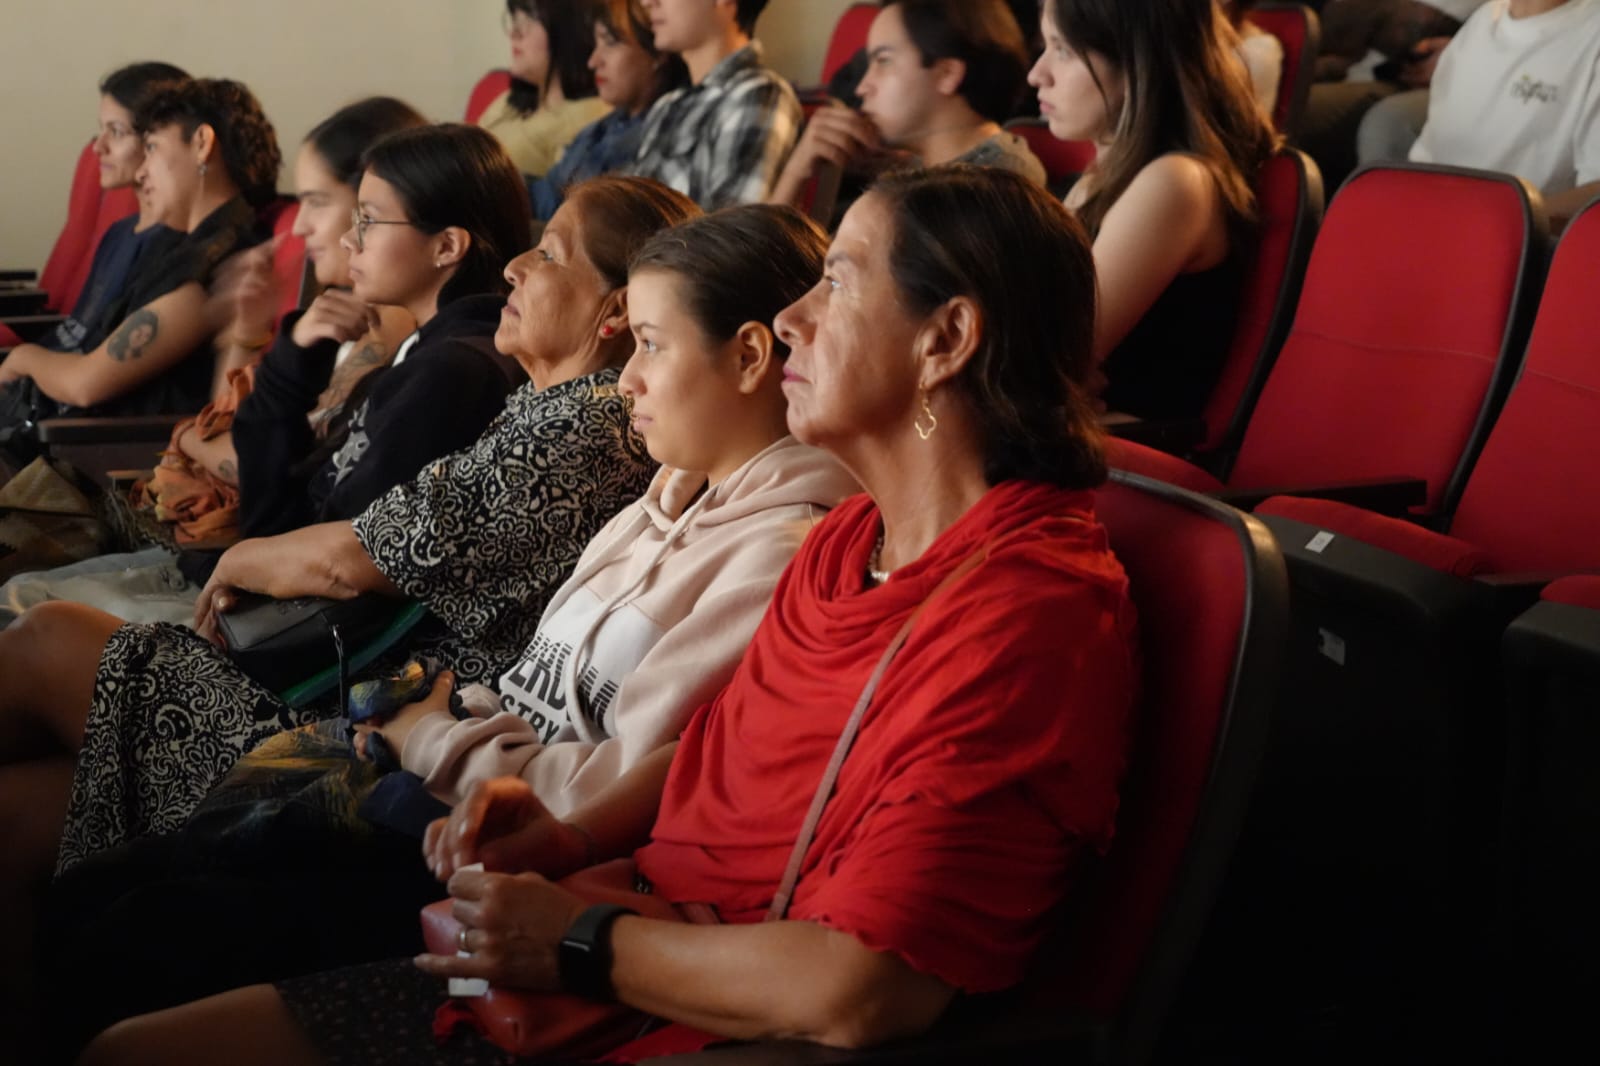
{"x": 1582, "y": 590}
{"x": 487, "y": 91}
{"x": 1424, "y": 547}
{"x": 1061, "y": 159}
{"x": 75, "y": 243}
{"x": 849, "y": 37}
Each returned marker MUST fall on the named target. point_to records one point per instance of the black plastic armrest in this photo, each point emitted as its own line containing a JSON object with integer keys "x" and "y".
{"x": 1383, "y": 495}
{"x": 812, "y": 95}
{"x": 14, "y": 301}
{"x": 1515, "y": 592}
{"x": 31, "y": 327}
{"x": 1173, "y": 435}
{"x": 130, "y": 428}
{"x": 18, "y": 275}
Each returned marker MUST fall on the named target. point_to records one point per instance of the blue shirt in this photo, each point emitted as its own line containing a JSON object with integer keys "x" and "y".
{"x": 115, "y": 257}
{"x": 599, "y": 148}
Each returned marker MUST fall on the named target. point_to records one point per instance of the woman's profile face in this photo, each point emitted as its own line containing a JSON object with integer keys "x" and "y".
{"x": 324, "y": 216}
{"x": 1070, "y": 98}
{"x": 117, "y": 145}
{"x": 553, "y": 310}
{"x": 392, "y": 263}
{"x": 624, "y": 73}
{"x": 169, "y": 178}
{"x": 852, "y": 370}
{"x": 530, "y": 48}
{"x": 679, "y": 379}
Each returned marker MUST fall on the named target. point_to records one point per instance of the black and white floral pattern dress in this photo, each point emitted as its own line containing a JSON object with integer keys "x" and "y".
{"x": 483, "y": 536}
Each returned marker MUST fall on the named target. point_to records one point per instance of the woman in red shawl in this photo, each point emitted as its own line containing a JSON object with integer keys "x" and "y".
{"x": 942, "y": 358}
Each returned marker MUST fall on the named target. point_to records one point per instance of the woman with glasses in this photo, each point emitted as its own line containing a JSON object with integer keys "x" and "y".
{"x": 119, "y": 150}
{"x": 552, "y": 94}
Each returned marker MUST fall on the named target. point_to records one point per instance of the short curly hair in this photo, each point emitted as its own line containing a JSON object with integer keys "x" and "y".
{"x": 247, "y": 145}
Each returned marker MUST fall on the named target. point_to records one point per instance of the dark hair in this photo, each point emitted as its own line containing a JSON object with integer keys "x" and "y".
{"x": 457, "y": 175}
{"x": 740, "y": 264}
{"x": 247, "y": 145}
{"x": 984, "y": 35}
{"x": 747, "y": 13}
{"x": 627, "y": 20}
{"x": 1186, "y": 92}
{"x": 343, "y": 137}
{"x": 1026, "y": 386}
{"x": 133, "y": 85}
{"x": 570, "y": 26}
{"x": 620, "y": 213}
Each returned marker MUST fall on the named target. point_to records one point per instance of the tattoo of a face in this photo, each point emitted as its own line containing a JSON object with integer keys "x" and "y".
{"x": 134, "y": 336}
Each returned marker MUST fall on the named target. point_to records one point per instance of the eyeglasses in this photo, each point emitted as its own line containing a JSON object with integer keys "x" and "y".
{"x": 517, "y": 24}
{"x": 115, "y": 131}
{"x": 361, "y": 223}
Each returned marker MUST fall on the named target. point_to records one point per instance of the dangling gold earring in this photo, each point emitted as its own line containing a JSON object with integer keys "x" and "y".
{"x": 933, "y": 422}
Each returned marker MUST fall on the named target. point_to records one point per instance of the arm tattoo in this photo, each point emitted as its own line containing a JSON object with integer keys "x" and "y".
{"x": 228, "y": 472}
{"x": 134, "y": 335}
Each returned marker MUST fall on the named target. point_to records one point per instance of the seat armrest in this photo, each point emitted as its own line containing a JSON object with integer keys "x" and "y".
{"x": 21, "y": 301}
{"x": 32, "y": 327}
{"x": 130, "y": 429}
{"x": 1383, "y": 495}
{"x": 1515, "y": 592}
{"x": 18, "y": 275}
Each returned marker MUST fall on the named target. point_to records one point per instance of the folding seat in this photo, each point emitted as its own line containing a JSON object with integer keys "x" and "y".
{"x": 485, "y": 92}
{"x": 1410, "y": 325}
{"x": 1210, "y": 590}
{"x": 1299, "y": 30}
{"x": 1549, "y": 961}
{"x": 1385, "y": 770}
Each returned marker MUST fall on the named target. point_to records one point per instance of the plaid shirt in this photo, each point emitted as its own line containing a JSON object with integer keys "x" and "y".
{"x": 723, "y": 141}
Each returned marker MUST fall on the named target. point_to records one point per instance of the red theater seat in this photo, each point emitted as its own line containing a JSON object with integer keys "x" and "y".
{"x": 90, "y": 212}
{"x": 1063, "y": 160}
{"x": 488, "y": 89}
{"x": 849, "y": 37}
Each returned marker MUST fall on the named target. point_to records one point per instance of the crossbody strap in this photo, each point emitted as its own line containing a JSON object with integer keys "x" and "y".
{"x": 847, "y": 736}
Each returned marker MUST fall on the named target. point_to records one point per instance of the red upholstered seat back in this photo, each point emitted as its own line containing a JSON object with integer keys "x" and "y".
{"x": 1299, "y": 30}
{"x": 1409, "y": 322}
{"x": 488, "y": 89}
{"x": 849, "y": 37}
{"x": 1212, "y": 599}
{"x": 1061, "y": 159}
{"x": 1289, "y": 209}
{"x": 1533, "y": 499}
{"x": 1580, "y": 590}
{"x": 89, "y": 214}
{"x": 289, "y": 259}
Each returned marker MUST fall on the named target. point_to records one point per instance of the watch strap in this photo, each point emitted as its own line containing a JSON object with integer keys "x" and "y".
{"x": 584, "y": 956}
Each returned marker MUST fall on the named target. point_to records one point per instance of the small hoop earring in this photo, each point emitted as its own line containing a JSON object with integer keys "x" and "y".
{"x": 933, "y": 421}
{"x": 202, "y": 170}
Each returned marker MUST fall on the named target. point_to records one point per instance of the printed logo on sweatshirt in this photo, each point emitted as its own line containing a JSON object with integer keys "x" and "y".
{"x": 533, "y": 689}
{"x": 1528, "y": 89}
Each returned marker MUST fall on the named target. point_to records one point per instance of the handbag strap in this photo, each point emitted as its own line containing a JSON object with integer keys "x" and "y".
{"x": 847, "y": 736}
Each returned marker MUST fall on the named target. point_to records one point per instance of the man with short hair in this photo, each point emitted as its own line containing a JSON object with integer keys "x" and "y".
{"x": 724, "y": 138}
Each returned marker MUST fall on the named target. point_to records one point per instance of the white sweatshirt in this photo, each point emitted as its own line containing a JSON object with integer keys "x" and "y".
{"x": 651, "y": 625}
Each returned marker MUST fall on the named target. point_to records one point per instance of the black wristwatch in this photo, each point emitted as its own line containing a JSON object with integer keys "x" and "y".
{"x": 585, "y": 953}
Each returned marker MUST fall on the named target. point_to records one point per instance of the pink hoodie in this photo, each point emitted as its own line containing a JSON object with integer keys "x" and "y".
{"x": 660, "y": 609}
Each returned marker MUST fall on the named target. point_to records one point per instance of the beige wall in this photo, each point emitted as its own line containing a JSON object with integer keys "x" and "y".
{"x": 303, "y": 58}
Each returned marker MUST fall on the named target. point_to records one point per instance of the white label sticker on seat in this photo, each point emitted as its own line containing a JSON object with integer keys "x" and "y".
{"x": 1331, "y": 645}
{"x": 1319, "y": 542}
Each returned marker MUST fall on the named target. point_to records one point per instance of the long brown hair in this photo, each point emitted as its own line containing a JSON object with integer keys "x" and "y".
{"x": 1184, "y": 93}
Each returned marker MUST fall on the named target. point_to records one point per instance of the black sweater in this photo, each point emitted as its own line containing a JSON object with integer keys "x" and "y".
{"x": 438, "y": 400}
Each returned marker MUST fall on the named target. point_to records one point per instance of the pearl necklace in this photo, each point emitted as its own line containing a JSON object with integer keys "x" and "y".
{"x": 875, "y": 560}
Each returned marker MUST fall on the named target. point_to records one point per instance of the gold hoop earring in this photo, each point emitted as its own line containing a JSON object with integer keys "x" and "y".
{"x": 933, "y": 422}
